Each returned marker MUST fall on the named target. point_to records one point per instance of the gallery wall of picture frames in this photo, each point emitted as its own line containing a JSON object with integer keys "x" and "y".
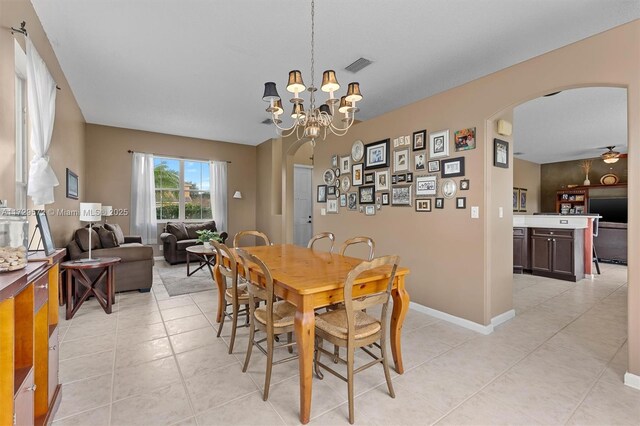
{"x": 412, "y": 170}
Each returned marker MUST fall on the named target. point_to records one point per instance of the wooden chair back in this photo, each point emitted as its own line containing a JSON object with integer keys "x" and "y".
{"x": 322, "y": 236}
{"x": 257, "y": 234}
{"x": 257, "y": 292}
{"x": 229, "y": 272}
{"x": 359, "y": 240}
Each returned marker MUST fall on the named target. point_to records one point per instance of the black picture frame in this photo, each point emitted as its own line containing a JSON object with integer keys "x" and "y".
{"x": 72, "y": 185}
{"x": 402, "y": 178}
{"x": 439, "y": 203}
{"x": 321, "y": 195}
{"x": 423, "y": 205}
{"x": 376, "y": 155}
{"x": 45, "y": 232}
{"x": 409, "y": 177}
{"x": 465, "y": 184}
{"x": 433, "y": 166}
{"x": 331, "y": 190}
{"x": 385, "y": 198}
{"x": 369, "y": 178}
{"x": 417, "y": 138}
{"x": 452, "y": 167}
{"x": 394, "y": 179}
{"x": 461, "y": 202}
{"x": 365, "y": 191}
{"x": 500, "y": 153}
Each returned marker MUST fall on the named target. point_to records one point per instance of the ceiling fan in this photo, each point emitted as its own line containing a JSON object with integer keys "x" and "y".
{"x": 610, "y": 156}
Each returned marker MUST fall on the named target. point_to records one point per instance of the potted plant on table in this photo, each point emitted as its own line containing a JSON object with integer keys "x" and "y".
{"x": 206, "y": 235}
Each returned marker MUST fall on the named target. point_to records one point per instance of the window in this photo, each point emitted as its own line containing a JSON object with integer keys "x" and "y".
{"x": 22, "y": 176}
{"x": 182, "y": 189}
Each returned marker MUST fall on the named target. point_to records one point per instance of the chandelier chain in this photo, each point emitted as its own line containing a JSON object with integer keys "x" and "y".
{"x": 313, "y": 32}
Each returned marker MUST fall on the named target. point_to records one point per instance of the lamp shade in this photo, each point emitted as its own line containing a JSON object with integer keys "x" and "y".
{"x": 329, "y": 81}
{"x": 295, "y": 85}
{"x": 298, "y": 111}
{"x": 345, "y": 105}
{"x": 353, "y": 92}
{"x": 278, "y": 106}
{"x": 270, "y": 92}
{"x": 325, "y": 108}
{"x": 237, "y": 195}
{"x": 107, "y": 211}
{"x": 90, "y": 212}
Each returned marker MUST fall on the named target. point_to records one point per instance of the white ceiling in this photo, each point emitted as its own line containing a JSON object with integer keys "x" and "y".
{"x": 196, "y": 67}
{"x": 571, "y": 125}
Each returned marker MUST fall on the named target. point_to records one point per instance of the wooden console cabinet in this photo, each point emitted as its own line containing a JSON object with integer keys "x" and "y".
{"x": 521, "y": 261}
{"x": 29, "y": 385}
{"x": 557, "y": 253}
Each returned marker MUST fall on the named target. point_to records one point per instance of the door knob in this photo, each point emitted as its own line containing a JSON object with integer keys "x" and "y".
{"x": 309, "y": 222}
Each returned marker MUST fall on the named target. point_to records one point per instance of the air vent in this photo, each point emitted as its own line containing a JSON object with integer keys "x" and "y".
{"x": 358, "y": 65}
{"x": 266, "y": 121}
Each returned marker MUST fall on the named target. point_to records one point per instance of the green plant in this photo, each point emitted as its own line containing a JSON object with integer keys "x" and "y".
{"x": 206, "y": 235}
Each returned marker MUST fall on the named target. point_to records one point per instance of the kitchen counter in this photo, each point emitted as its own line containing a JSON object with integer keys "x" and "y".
{"x": 552, "y": 221}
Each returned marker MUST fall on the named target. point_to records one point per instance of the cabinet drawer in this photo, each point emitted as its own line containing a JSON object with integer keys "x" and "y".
{"x": 519, "y": 232}
{"x": 552, "y": 233}
{"x": 24, "y": 402}
{"x": 41, "y": 287}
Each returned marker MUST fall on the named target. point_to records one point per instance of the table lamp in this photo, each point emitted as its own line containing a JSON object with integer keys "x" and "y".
{"x": 90, "y": 212}
{"x": 106, "y": 212}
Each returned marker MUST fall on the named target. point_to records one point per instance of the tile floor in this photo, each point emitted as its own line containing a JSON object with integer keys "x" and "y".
{"x": 156, "y": 360}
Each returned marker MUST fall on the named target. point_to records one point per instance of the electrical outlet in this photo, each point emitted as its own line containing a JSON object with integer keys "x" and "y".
{"x": 160, "y": 247}
{"x": 475, "y": 212}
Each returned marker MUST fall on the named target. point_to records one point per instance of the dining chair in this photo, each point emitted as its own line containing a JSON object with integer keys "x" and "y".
{"x": 273, "y": 318}
{"x": 322, "y": 236}
{"x": 352, "y": 328}
{"x": 235, "y": 293}
{"x": 359, "y": 240}
{"x": 257, "y": 234}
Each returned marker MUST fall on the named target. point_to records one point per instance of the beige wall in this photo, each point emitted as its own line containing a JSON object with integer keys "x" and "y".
{"x": 67, "y": 145}
{"x": 108, "y": 166}
{"x": 458, "y": 264}
{"x": 527, "y": 175}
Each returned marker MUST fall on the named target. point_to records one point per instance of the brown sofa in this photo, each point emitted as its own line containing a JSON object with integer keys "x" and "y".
{"x": 134, "y": 272}
{"x": 177, "y": 236}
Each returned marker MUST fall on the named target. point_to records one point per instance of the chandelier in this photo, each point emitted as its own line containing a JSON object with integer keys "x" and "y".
{"x": 610, "y": 156}
{"x": 313, "y": 122}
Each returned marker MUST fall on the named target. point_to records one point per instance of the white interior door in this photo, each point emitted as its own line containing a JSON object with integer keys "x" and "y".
{"x": 302, "y": 205}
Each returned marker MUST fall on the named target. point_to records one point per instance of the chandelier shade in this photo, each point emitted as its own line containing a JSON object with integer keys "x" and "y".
{"x": 610, "y": 156}
{"x": 315, "y": 121}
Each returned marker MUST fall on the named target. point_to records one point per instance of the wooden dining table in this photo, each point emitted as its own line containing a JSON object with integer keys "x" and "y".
{"x": 311, "y": 279}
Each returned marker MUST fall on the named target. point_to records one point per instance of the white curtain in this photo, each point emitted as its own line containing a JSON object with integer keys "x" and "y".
{"x": 143, "y": 199}
{"x": 218, "y": 174}
{"x": 41, "y": 101}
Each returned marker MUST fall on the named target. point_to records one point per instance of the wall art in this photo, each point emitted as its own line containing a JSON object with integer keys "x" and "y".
{"x": 329, "y": 176}
{"x": 385, "y": 198}
{"x": 366, "y": 194}
{"x": 377, "y": 155}
{"x": 401, "y": 195}
{"x": 433, "y": 166}
{"x": 345, "y": 164}
{"x": 452, "y": 167}
{"x": 461, "y": 203}
{"x": 423, "y": 205}
{"x": 382, "y": 180}
{"x": 420, "y": 161}
{"x": 322, "y": 194}
{"x": 465, "y": 139}
{"x": 501, "y": 153}
{"x": 426, "y": 185}
{"x": 369, "y": 210}
{"x": 357, "y": 151}
{"x": 332, "y": 206}
{"x": 352, "y": 201}
{"x": 343, "y": 200}
{"x": 356, "y": 174}
{"x": 439, "y": 203}
{"x": 465, "y": 185}
{"x": 419, "y": 140}
{"x": 439, "y": 144}
{"x": 369, "y": 178}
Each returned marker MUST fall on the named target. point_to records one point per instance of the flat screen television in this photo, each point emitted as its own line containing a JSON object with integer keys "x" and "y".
{"x": 611, "y": 209}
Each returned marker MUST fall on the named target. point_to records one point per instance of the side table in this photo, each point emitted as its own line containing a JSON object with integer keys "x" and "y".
{"x": 205, "y": 255}
{"x": 75, "y": 269}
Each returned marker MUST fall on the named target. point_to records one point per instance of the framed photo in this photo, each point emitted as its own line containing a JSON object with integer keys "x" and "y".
{"x": 369, "y": 178}
{"x": 382, "y": 180}
{"x": 465, "y": 139}
{"x": 334, "y": 161}
{"x": 332, "y": 206}
{"x": 329, "y": 176}
{"x": 336, "y": 171}
{"x": 322, "y": 194}
{"x": 345, "y": 164}
{"x": 439, "y": 144}
{"x": 464, "y": 185}
{"x": 523, "y": 200}
{"x": 402, "y": 178}
{"x": 419, "y": 140}
{"x": 45, "y": 232}
{"x": 439, "y": 203}
{"x": 426, "y": 185}
{"x": 423, "y": 205}
{"x": 452, "y": 167}
{"x": 501, "y": 153}
{"x": 401, "y": 195}
{"x": 419, "y": 161}
{"x": 357, "y": 151}
{"x": 72, "y": 185}
{"x": 343, "y": 200}
{"x": 366, "y": 194}
{"x": 409, "y": 177}
{"x": 369, "y": 210}
{"x": 331, "y": 190}
{"x": 394, "y": 179}
{"x": 376, "y": 155}
{"x": 433, "y": 166}
{"x": 461, "y": 203}
{"x": 352, "y": 201}
{"x": 400, "y": 160}
{"x": 345, "y": 183}
{"x": 516, "y": 199}
{"x": 449, "y": 188}
{"x": 356, "y": 175}
{"x": 385, "y": 198}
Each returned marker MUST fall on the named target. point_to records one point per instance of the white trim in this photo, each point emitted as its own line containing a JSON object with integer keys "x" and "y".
{"x": 632, "y": 380}
{"x": 590, "y": 276}
{"x": 473, "y": 326}
{"x": 158, "y": 257}
{"x": 303, "y": 166}
{"x": 503, "y": 317}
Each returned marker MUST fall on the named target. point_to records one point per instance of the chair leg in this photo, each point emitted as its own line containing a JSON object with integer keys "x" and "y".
{"x": 267, "y": 377}
{"x": 595, "y": 259}
{"x": 246, "y": 308}
{"x": 350, "y": 361}
{"x": 385, "y": 366}
{"x": 224, "y": 314}
{"x": 234, "y": 326}
{"x": 289, "y": 340}
{"x": 252, "y": 332}
{"x": 316, "y": 357}
{"x": 336, "y": 354}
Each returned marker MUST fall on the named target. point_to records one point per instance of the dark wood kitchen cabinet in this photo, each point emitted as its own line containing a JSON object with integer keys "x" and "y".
{"x": 521, "y": 250}
{"x": 557, "y": 253}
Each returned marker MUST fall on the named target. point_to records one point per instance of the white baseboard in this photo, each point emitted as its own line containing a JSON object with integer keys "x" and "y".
{"x": 590, "y": 276}
{"x": 158, "y": 257}
{"x": 473, "y": 326}
{"x": 632, "y": 380}
{"x": 503, "y": 317}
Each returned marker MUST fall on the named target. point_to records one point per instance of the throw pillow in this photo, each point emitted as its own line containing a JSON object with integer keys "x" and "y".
{"x": 177, "y": 229}
{"x": 107, "y": 238}
{"x": 82, "y": 239}
{"x": 115, "y": 228}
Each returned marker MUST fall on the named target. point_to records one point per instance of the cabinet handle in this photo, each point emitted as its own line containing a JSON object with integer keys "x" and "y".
{"x": 31, "y": 388}
{"x": 548, "y": 239}
{"x": 53, "y": 348}
{"x": 42, "y": 286}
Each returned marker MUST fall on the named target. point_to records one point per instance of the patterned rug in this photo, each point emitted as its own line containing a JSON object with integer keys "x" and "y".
{"x": 176, "y": 281}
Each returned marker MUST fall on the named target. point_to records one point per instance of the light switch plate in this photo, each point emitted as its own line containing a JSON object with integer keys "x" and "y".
{"x": 475, "y": 212}
{"x": 323, "y": 212}
{"x": 500, "y": 212}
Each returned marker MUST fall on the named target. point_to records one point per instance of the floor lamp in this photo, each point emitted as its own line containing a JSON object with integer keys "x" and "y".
{"x": 90, "y": 212}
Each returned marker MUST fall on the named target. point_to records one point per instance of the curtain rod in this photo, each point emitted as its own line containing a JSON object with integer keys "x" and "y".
{"x": 23, "y": 30}
{"x": 173, "y": 156}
